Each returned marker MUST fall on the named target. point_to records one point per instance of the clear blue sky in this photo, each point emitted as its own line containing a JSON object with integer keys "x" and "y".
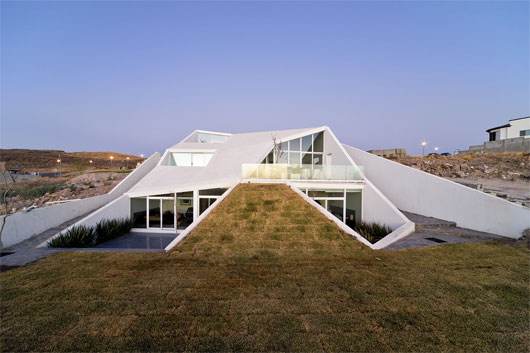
{"x": 137, "y": 77}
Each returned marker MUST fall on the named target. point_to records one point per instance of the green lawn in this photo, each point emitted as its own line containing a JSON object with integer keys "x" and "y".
{"x": 267, "y": 272}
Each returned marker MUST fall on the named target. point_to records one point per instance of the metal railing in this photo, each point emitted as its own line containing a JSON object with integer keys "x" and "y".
{"x": 304, "y": 172}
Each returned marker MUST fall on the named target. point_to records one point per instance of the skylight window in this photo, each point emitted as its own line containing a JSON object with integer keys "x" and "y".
{"x": 190, "y": 159}
{"x": 203, "y": 137}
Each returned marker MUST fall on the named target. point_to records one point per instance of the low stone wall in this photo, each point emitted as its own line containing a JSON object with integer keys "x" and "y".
{"x": 392, "y": 152}
{"x": 518, "y": 144}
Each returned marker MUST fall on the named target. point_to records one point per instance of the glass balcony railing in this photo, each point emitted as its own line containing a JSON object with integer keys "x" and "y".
{"x": 305, "y": 172}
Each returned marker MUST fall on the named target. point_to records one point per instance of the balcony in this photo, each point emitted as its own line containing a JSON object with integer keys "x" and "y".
{"x": 305, "y": 172}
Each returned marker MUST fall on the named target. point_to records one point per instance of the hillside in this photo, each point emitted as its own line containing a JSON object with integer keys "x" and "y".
{"x": 266, "y": 221}
{"x": 46, "y": 160}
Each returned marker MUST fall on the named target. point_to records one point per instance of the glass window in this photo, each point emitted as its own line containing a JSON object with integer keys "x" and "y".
{"x": 306, "y": 158}
{"x": 336, "y": 207}
{"x": 184, "y": 209}
{"x": 524, "y": 133}
{"x": 317, "y": 159}
{"x": 284, "y": 146}
{"x": 326, "y": 193}
{"x": 168, "y": 214}
{"x": 294, "y": 158}
{"x": 307, "y": 143}
{"x": 204, "y": 203}
{"x": 154, "y": 213}
{"x": 213, "y": 192}
{"x": 318, "y": 143}
{"x": 211, "y": 138}
{"x": 282, "y": 158}
{"x": 294, "y": 145}
{"x": 353, "y": 207}
{"x": 270, "y": 158}
{"x": 181, "y": 159}
{"x": 139, "y": 212}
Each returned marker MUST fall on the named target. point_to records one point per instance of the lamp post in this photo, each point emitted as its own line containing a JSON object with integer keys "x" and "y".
{"x": 60, "y": 166}
{"x": 127, "y": 163}
{"x": 423, "y": 144}
{"x": 111, "y": 158}
{"x": 142, "y": 155}
{"x": 90, "y": 161}
{"x": 436, "y": 149}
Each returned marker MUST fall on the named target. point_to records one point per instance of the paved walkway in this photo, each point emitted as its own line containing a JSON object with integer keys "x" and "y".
{"x": 428, "y": 239}
{"x": 132, "y": 242}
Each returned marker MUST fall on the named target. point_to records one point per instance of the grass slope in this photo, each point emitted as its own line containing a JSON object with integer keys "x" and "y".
{"x": 266, "y": 272}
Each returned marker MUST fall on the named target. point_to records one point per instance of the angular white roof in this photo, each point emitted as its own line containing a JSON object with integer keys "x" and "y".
{"x": 224, "y": 169}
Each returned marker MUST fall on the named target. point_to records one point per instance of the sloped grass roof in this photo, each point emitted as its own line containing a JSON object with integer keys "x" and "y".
{"x": 238, "y": 283}
{"x": 267, "y": 221}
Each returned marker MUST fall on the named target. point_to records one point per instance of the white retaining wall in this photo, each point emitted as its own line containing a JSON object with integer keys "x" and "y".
{"x": 23, "y": 225}
{"x": 418, "y": 192}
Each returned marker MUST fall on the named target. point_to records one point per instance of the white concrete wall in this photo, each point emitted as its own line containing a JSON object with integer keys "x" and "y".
{"x": 422, "y": 193}
{"x": 23, "y": 225}
{"x": 377, "y": 208}
{"x": 517, "y": 126}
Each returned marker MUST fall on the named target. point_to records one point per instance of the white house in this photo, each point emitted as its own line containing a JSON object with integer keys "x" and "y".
{"x": 346, "y": 184}
{"x": 515, "y": 128}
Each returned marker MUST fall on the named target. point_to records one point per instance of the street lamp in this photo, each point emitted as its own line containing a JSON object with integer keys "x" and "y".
{"x": 127, "y": 163}
{"x": 423, "y": 144}
{"x": 111, "y": 158}
{"x": 90, "y": 161}
{"x": 436, "y": 149}
{"x": 142, "y": 155}
{"x": 60, "y": 167}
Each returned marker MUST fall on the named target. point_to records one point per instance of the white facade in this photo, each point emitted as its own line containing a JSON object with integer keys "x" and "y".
{"x": 515, "y": 128}
{"x": 193, "y": 176}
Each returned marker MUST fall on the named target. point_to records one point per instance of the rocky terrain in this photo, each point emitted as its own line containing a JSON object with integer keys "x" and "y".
{"x": 506, "y": 175}
{"x": 46, "y": 191}
{"x": 502, "y": 166}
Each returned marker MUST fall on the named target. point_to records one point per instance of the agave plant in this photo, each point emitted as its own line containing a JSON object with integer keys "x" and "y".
{"x": 75, "y": 237}
{"x": 108, "y": 229}
{"x": 373, "y": 232}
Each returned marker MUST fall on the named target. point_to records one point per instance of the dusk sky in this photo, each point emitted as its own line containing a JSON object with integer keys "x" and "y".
{"x": 137, "y": 77}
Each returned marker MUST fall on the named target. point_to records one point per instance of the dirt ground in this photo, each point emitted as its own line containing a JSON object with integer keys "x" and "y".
{"x": 43, "y": 190}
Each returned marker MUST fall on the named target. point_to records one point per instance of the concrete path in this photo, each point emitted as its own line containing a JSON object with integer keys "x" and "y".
{"x": 428, "y": 239}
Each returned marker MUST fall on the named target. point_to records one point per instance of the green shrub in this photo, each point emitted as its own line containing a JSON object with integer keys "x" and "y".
{"x": 85, "y": 237}
{"x": 36, "y": 192}
{"x": 108, "y": 229}
{"x": 373, "y": 232}
{"x": 75, "y": 237}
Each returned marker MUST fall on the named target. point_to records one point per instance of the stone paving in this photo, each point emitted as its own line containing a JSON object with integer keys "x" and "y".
{"x": 420, "y": 239}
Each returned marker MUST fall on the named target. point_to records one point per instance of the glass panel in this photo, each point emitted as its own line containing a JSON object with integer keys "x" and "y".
{"x": 204, "y": 203}
{"x": 211, "y": 138}
{"x": 168, "y": 214}
{"x": 318, "y": 143}
{"x": 326, "y": 193}
{"x": 197, "y": 160}
{"x": 321, "y": 202}
{"x": 181, "y": 159}
{"x": 184, "y": 209}
{"x": 282, "y": 159}
{"x": 284, "y": 146}
{"x": 306, "y": 158}
{"x": 139, "y": 212}
{"x": 304, "y": 172}
{"x": 207, "y": 157}
{"x": 317, "y": 159}
{"x": 353, "y": 207}
{"x": 307, "y": 142}
{"x": 294, "y": 145}
{"x": 154, "y": 213}
{"x": 335, "y": 207}
{"x": 294, "y": 158}
{"x": 270, "y": 158}
{"x": 213, "y": 192}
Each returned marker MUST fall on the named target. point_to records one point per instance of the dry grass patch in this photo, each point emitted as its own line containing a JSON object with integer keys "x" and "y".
{"x": 226, "y": 290}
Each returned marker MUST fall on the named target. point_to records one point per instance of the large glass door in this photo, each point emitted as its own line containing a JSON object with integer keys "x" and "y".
{"x": 161, "y": 212}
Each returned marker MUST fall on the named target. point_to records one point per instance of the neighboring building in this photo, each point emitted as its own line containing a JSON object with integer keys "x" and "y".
{"x": 515, "y": 128}
{"x": 511, "y": 137}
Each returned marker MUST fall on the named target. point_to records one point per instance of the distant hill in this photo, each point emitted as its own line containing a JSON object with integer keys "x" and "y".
{"x": 46, "y": 160}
